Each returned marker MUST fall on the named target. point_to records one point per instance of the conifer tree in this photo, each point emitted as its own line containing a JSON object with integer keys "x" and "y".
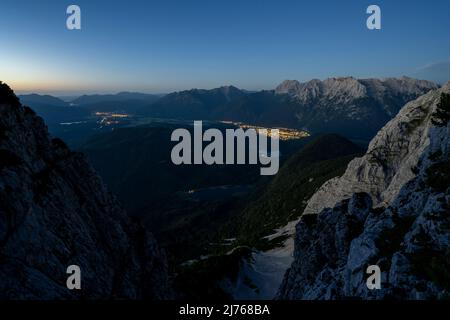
{"x": 442, "y": 115}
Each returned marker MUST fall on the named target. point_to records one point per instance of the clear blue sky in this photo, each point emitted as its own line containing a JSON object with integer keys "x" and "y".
{"x": 161, "y": 46}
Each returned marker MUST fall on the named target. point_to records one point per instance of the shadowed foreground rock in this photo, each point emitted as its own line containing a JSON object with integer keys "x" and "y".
{"x": 55, "y": 211}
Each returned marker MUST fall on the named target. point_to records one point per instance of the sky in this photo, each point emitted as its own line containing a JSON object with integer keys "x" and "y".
{"x": 163, "y": 46}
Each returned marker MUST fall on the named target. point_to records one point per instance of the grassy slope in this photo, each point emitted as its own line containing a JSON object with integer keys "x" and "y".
{"x": 287, "y": 194}
{"x": 276, "y": 203}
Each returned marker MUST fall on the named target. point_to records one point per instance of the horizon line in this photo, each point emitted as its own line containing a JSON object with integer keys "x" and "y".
{"x": 78, "y": 92}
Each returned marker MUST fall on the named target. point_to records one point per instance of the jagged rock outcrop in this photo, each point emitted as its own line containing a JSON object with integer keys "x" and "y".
{"x": 391, "y": 208}
{"x": 387, "y": 164}
{"x": 55, "y": 212}
{"x": 341, "y": 90}
{"x": 347, "y": 89}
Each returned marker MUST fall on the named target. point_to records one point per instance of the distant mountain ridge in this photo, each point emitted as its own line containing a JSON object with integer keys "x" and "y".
{"x": 354, "y": 108}
{"x": 349, "y": 88}
{"x": 347, "y": 106}
{"x": 350, "y": 106}
{"x": 53, "y": 109}
{"x": 121, "y": 96}
{"x": 42, "y": 100}
{"x": 194, "y": 103}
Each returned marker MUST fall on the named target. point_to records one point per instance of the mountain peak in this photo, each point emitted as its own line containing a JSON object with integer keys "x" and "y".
{"x": 34, "y": 99}
{"x": 288, "y": 87}
{"x": 229, "y": 90}
{"x": 346, "y": 88}
{"x": 341, "y": 90}
{"x": 337, "y": 89}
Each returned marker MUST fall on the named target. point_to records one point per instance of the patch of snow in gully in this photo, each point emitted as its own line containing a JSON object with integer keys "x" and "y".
{"x": 266, "y": 269}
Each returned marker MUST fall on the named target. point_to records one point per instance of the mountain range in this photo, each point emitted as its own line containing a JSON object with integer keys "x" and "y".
{"x": 121, "y": 96}
{"x": 42, "y": 100}
{"x": 354, "y": 108}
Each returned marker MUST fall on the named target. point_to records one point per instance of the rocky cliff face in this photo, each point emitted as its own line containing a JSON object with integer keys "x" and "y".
{"x": 396, "y": 149}
{"x": 390, "y": 208}
{"x": 55, "y": 212}
{"x": 347, "y": 89}
{"x": 356, "y": 108}
{"x": 337, "y": 89}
